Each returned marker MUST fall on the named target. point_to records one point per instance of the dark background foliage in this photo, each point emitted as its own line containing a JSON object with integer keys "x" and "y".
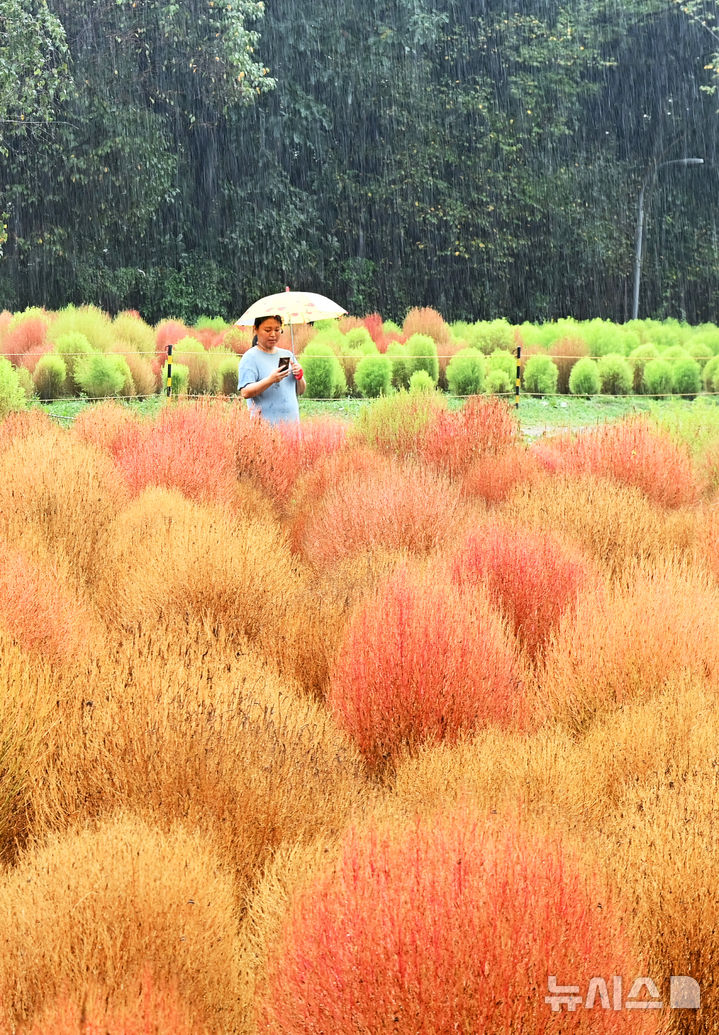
{"x": 478, "y": 156}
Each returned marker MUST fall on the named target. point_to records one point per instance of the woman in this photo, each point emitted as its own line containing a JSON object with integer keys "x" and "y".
{"x": 270, "y": 386}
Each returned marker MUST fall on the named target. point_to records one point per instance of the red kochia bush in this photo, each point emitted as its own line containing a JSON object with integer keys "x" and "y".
{"x": 400, "y": 506}
{"x": 187, "y": 448}
{"x": 169, "y": 332}
{"x": 326, "y": 472}
{"x": 29, "y": 335}
{"x": 421, "y": 661}
{"x": 445, "y": 928}
{"x": 456, "y": 439}
{"x": 275, "y": 456}
{"x": 531, "y": 577}
{"x": 375, "y": 325}
{"x": 635, "y": 452}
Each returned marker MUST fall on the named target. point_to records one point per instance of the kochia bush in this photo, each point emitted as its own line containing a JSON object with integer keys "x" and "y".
{"x": 454, "y": 440}
{"x": 531, "y": 577}
{"x": 421, "y": 352}
{"x": 49, "y": 377}
{"x": 400, "y": 366}
{"x": 639, "y": 357}
{"x": 710, "y": 375}
{"x": 12, "y": 396}
{"x": 465, "y": 372}
{"x": 615, "y": 374}
{"x": 324, "y": 376}
{"x": 373, "y": 376}
{"x": 584, "y": 378}
{"x": 634, "y": 452}
{"x": 657, "y": 378}
{"x": 447, "y": 927}
{"x": 686, "y": 376}
{"x": 540, "y": 375}
{"x": 422, "y": 661}
{"x": 101, "y": 376}
{"x": 420, "y": 383}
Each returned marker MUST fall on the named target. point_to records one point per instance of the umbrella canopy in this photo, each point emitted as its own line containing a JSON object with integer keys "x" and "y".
{"x": 293, "y": 307}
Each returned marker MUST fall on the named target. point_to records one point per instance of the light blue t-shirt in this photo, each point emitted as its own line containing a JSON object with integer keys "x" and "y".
{"x": 278, "y": 403}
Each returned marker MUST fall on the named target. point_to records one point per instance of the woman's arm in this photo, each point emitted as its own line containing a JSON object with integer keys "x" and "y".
{"x": 255, "y": 388}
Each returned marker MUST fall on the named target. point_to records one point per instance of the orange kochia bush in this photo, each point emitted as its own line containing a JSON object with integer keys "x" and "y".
{"x": 448, "y": 927}
{"x": 633, "y": 452}
{"x": 388, "y": 503}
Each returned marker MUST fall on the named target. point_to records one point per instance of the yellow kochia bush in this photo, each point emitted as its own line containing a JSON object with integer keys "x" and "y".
{"x": 97, "y": 904}
{"x": 61, "y": 491}
{"x": 196, "y": 728}
{"x": 167, "y": 556}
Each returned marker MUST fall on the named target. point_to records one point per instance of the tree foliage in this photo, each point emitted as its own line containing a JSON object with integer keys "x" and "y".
{"x": 480, "y": 158}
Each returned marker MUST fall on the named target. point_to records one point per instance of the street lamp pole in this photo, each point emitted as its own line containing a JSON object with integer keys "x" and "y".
{"x": 648, "y": 182}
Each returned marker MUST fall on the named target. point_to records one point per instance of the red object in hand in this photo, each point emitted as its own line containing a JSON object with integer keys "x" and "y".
{"x": 300, "y": 375}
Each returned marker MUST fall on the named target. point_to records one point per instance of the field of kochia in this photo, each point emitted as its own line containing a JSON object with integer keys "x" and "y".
{"x": 83, "y": 352}
{"x": 362, "y": 727}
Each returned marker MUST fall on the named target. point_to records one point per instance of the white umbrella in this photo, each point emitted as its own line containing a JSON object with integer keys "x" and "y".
{"x": 293, "y": 307}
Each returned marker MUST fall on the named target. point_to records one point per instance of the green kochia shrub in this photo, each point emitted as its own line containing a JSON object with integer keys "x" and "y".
{"x": 490, "y": 335}
{"x": 12, "y": 395}
{"x": 658, "y": 377}
{"x": 699, "y": 351}
{"x": 421, "y": 351}
{"x": 498, "y": 382}
{"x": 421, "y": 383}
{"x": 639, "y": 357}
{"x": 465, "y": 372}
{"x": 373, "y": 376}
{"x": 584, "y": 378}
{"x": 400, "y": 364}
{"x": 674, "y": 353}
{"x": 180, "y": 379}
{"x": 324, "y": 376}
{"x": 50, "y": 377}
{"x": 101, "y": 375}
{"x": 604, "y": 337}
{"x": 615, "y": 374}
{"x": 224, "y": 374}
{"x": 71, "y": 347}
{"x": 359, "y": 338}
{"x": 503, "y": 360}
{"x": 710, "y": 375}
{"x": 540, "y": 375}
{"x": 686, "y": 376}
{"x": 26, "y": 382}
{"x": 95, "y": 324}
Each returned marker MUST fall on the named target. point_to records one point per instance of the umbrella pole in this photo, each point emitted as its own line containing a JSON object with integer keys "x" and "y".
{"x": 292, "y": 341}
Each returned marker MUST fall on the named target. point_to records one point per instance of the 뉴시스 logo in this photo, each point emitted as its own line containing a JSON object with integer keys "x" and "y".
{"x": 684, "y": 994}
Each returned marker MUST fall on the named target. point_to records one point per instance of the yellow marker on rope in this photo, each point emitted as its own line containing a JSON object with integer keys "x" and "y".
{"x": 518, "y": 378}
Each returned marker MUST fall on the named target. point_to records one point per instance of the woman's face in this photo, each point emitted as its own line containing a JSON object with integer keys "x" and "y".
{"x": 268, "y": 334}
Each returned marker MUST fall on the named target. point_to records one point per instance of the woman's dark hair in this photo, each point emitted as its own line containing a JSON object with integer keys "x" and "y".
{"x": 261, "y": 319}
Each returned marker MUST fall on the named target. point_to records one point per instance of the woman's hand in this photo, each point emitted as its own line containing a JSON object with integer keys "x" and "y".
{"x": 278, "y": 375}
{"x": 297, "y": 370}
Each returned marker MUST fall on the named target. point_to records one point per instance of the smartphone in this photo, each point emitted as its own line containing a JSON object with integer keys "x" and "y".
{"x": 284, "y": 363}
